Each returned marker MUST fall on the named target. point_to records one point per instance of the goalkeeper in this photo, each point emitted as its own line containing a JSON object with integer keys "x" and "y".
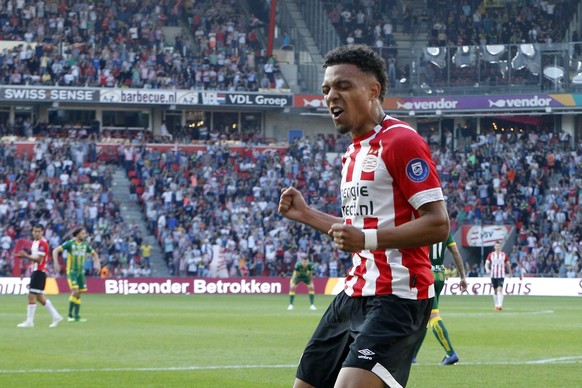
{"x": 303, "y": 272}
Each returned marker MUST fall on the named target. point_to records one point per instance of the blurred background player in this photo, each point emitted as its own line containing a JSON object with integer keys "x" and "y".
{"x": 39, "y": 256}
{"x": 303, "y": 272}
{"x": 496, "y": 264}
{"x": 77, "y": 250}
{"x": 437, "y": 258}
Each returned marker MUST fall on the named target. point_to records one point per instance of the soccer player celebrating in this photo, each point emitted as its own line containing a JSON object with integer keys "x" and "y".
{"x": 39, "y": 256}
{"x": 392, "y": 210}
{"x": 437, "y": 258}
{"x": 77, "y": 250}
{"x": 496, "y": 263}
{"x": 303, "y": 272}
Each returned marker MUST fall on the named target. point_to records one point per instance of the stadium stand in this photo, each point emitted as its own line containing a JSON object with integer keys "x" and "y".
{"x": 195, "y": 200}
{"x": 121, "y": 43}
{"x": 524, "y": 180}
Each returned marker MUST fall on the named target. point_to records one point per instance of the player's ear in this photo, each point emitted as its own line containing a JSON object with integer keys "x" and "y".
{"x": 374, "y": 90}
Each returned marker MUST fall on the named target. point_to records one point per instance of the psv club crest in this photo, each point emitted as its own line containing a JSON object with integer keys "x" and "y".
{"x": 370, "y": 162}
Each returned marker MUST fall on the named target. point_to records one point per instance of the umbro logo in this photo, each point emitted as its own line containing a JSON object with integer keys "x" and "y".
{"x": 366, "y": 354}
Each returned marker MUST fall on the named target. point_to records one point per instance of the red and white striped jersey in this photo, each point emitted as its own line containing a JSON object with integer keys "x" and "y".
{"x": 40, "y": 248}
{"x": 498, "y": 261}
{"x": 387, "y": 174}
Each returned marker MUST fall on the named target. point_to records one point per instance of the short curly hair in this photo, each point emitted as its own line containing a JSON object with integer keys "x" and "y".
{"x": 365, "y": 58}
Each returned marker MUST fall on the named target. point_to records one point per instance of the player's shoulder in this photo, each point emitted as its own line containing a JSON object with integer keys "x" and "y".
{"x": 395, "y": 125}
{"x": 397, "y": 130}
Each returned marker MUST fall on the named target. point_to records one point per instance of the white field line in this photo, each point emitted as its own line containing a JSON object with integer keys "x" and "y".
{"x": 560, "y": 360}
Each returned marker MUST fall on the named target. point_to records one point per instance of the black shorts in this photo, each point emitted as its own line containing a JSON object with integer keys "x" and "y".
{"x": 37, "y": 282}
{"x": 497, "y": 282}
{"x": 376, "y": 333}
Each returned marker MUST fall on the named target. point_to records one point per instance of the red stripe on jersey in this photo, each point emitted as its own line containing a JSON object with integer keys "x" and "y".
{"x": 415, "y": 259}
{"x": 370, "y": 223}
{"x": 40, "y": 248}
{"x": 384, "y": 282}
{"x": 352, "y": 161}
{"x": 498, "y": 264}
{"x": 359, "y": 271}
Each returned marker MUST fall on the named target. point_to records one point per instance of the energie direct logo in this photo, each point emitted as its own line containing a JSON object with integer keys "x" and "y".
{"x": 417, "y": 170}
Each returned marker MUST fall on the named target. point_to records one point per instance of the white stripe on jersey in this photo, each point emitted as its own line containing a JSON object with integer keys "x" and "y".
{"x": 349, "y": 285}
{"x": 497, "y": 264}
{"x": 398, "y": 125}
{"x": 371, "y": 275}
{"x": 34, "y": 252}
{"x": 400, "y": 276}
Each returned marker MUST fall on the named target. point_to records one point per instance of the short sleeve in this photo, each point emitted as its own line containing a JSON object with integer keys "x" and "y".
{"x": 410, "y": 163}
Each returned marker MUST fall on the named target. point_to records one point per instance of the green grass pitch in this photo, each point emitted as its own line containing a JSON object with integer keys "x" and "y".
{"x": 253, "y": 341}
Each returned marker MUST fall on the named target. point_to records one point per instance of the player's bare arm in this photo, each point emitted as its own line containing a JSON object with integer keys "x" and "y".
{"x": 56, "y": 252}
{"x": 293, "y": 206}
{"x": 36, "y": 259}
{"x": 431, "y": 227}
{"x": 56, "y": 265}
{"x": 96, "y": 261}
{"x": 460, "y": 266}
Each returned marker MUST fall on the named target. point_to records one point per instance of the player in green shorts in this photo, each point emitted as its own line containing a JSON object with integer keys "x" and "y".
{"x": 437, "y": 258}
{"x": 77, "y": 251}
{"x": 303, "y": 272}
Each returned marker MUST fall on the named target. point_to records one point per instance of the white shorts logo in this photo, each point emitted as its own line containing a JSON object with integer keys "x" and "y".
{"x": 366, "y": 354}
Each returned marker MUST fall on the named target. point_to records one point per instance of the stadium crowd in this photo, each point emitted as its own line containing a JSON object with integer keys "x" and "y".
{"x": 529, "y": 179}
{"x": 457, "y": 23}
{"x": 452, "y": 22}
{"x": 60, "y": 185}
{"x": 122, "y": 43}
{"x": 222, "y": 203}
{"x": 447, "y": 23}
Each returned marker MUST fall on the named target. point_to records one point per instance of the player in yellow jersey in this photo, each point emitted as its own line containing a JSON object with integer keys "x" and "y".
{"x": 437, "y": 258}
{"x": 303, "y": 272}
{"x": 77, "y": 251}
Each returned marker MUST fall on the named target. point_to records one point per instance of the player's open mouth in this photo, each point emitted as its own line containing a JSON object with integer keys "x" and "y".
{"x": 336, "y": 112}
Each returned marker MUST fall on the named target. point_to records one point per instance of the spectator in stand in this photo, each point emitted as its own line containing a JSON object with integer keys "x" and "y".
{"x": 112, "y": 44}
